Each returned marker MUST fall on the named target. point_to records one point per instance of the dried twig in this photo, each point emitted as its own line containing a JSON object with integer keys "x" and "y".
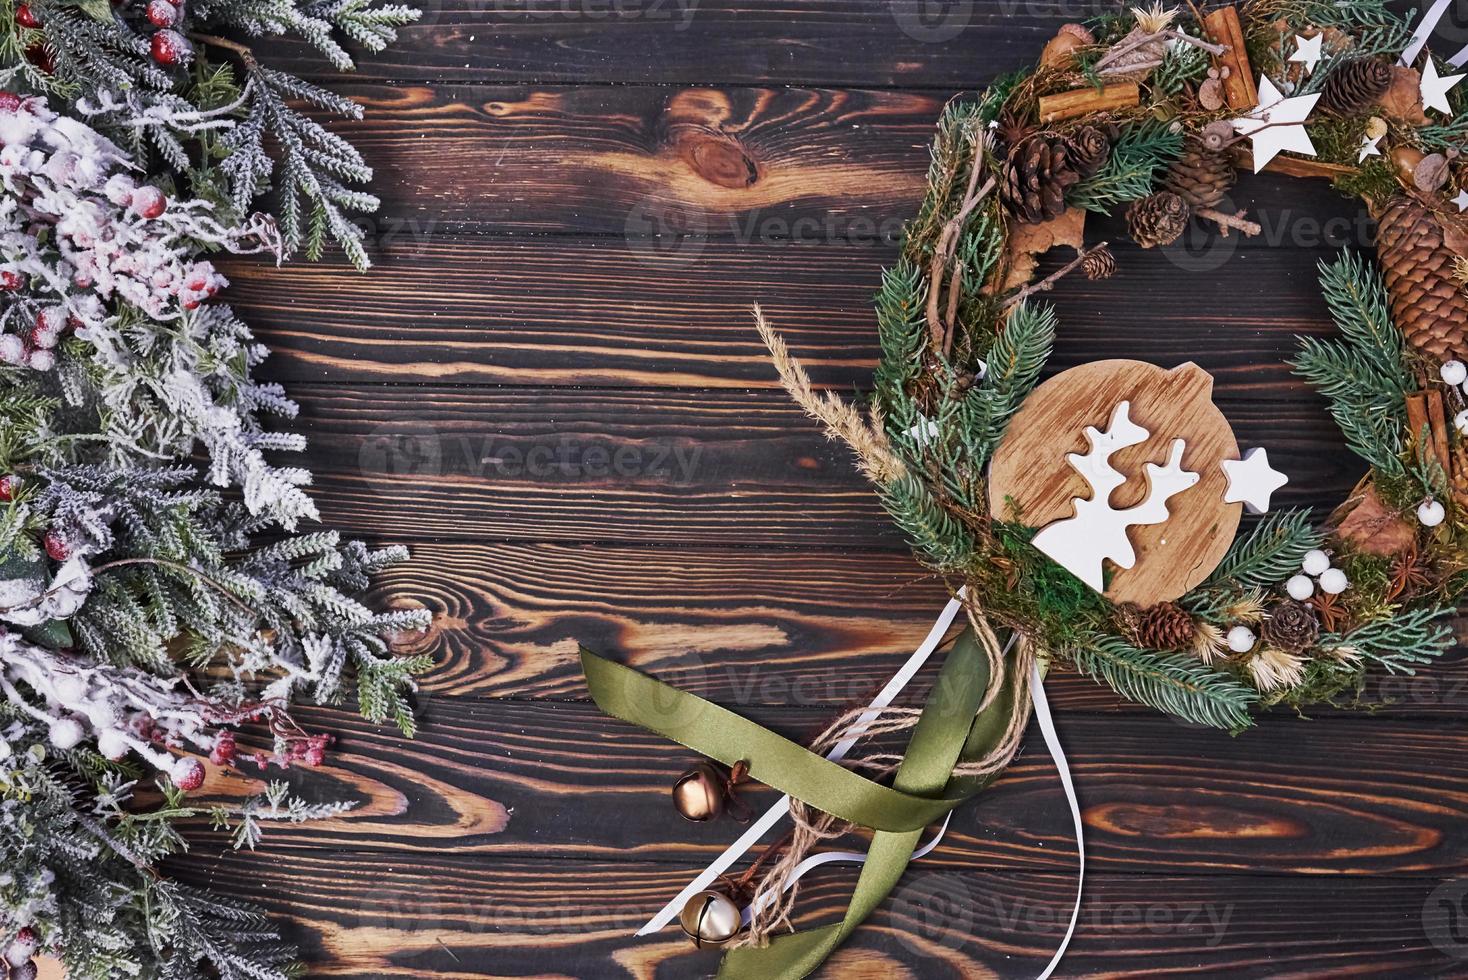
{"x": 940, "y": 330}
{"x": 1048, "y": 283}
{"x": 1127, "y": 47}
{"x": 1226, "y": 221}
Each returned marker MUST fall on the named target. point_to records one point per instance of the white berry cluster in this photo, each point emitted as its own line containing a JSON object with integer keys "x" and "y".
{"x": 1317, "y": 569}
{"x": 80, "y": 235}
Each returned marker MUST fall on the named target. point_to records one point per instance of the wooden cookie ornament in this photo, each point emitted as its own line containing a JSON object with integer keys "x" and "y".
{"x": 1147, "y": 494}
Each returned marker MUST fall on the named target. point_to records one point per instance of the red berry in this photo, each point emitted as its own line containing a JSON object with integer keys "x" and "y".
{"x": 223, "y": 753}
{"x": 148, "y": 202}
{"x": 56, "y": 546}
{"x": 171, "y": 48}
{"x": 26, "y": 17}
{"x": 162, "y": 13}
{"x": 187, "y": 774}
{"x": 9, "y": 487}
{"x": 10, "y": 102}
{"x": 10, "y": 280}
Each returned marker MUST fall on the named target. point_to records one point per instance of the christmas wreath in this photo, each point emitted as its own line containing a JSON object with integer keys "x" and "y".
{"x": 1094, "y": 517}
{"x": 161, "y": 605}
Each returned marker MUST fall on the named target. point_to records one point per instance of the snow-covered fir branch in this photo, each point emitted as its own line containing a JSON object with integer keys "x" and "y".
{"x": 186, "y": 79}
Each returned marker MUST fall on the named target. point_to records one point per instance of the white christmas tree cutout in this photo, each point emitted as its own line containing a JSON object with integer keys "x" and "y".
{"x": 1082, "y": 543}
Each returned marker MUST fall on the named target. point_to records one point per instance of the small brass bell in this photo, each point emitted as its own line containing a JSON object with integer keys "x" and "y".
{"x": 699, "y": 793}
{"x": 710, "y": 919}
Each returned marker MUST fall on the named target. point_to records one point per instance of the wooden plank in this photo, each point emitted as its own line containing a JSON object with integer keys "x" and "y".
{"x": 493, "y": 778}
{"x": 871, "y": 42}
{"x": 670, "y": 466}
{"x": 357, "y": 916}
{"x": 751, "y": 626}
{"x": 648, "y": 161}
{"x": 749, "y": 164}
{"x": 553, "y": 311}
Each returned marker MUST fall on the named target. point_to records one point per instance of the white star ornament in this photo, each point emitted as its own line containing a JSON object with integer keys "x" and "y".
{"x": 1435, "y": 87}
{"x": 1251, "y": 481}
{"x": 1307, "y": 52}
{"x": 1278, "y": 124}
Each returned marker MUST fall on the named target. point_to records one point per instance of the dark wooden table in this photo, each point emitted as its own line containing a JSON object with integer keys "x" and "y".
{"x": 550, "y": 389}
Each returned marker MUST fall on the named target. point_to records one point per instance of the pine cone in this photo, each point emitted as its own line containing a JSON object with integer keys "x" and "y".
{"x": 1165, "y": 626}
{"x": 1201, "y": 177}
{"x": 1428, "y": 304}
{"x": 1099, "y": 263}
{"x": 1158, "y": 220}
{"x": 1038, "y": 171}
{"x": 1355, "y": 86}
{"x": 1291, "y": 627}
{"x": 1090, "y": 148}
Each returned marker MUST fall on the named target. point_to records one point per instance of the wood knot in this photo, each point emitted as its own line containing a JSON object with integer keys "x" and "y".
{"x": 716, "y": 157}
{"x": 696, "y": 128}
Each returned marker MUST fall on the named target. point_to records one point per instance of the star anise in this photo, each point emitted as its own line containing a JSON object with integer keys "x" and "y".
{"x": 1409, "y": 573}
{"x": 1332, "y": 614}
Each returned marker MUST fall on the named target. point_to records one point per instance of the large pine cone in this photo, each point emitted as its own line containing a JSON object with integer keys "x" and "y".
{"x": 1201, "y": 177}
{"x": 1354, "y": 86}
{"x": 1159, "y": 219}
{"x": 1165, "y": 626}
{"x": 1291, "y": 627}
{"x": 1428, "y": 305}
{"x": 1039, "y": 170}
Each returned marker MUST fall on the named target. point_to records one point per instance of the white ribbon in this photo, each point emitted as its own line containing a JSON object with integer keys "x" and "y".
{"x": 1052, "y": 742}
{"x": 1424, "y": 31}
{"x": 900, "y": 680}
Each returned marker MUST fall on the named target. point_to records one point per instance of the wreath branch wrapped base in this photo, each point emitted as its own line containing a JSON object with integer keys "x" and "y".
{"x": 964, "y": 343}
{"x": 1151, "y": 111}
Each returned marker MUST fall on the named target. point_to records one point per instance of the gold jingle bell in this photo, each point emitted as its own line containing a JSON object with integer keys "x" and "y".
{"x": 699, "y": 793}
{"x": 710, "y": 919}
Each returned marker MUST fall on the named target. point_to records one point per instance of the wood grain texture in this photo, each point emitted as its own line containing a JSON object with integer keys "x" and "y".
{"x": 472, "y": 309}
{"x": 447, "y": 916}
{"x": 737, "y": 625}
{"x": 838, "y": 42}
{"x": 500, "y": 778}
{"x": 619, "y": 465}
{"x": 1032, "y": 472}
{"x": 580, "y": 202}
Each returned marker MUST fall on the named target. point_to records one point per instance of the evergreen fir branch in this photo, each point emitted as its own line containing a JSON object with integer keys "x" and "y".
{"x": 1131, "y": 171}
{"x": 929, "y": 528}
{"x": 1356, "y": 293}
{"x": 1171, "y": 682}
{"x": 1270, "y": 553}
{"x": 1366, "y": 403}
{"x": 1014, "y": 364}
{"x": 1400, "y": 643}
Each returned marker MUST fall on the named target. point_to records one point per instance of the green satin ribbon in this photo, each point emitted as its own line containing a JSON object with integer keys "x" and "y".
{"x": 950, "y": 731}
